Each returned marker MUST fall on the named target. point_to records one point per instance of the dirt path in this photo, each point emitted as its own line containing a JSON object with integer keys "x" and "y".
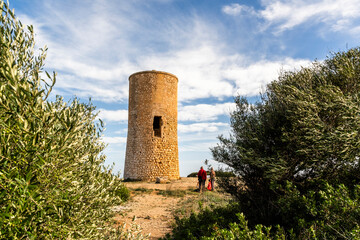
{"x": 150, "y": 210}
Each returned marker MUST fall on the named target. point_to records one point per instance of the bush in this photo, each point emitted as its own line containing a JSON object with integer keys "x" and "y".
{"x": 241, "y": 231}
{"x": 203, "y": 223}
{"x": 328, "y": 213}
{"x": 221, "y": 223}
{"x": 193, "y": 174}
{"x": 303, "y": 131}
{"x": 53, "y": 184}
{"x": 221, "y": 173}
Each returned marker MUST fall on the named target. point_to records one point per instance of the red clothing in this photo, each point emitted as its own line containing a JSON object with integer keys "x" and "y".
{"x": 202, "y": 174}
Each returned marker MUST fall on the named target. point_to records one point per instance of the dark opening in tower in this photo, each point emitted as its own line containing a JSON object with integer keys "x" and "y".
{"x": 157, "y": 126}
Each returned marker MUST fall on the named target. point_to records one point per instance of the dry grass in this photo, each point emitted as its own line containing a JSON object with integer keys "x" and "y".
{"x": 155, "y": 206}
{"x": 195, "y": 201}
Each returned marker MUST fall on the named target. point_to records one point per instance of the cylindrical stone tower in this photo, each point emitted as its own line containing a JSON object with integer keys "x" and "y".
{"x": 152, "y": 143}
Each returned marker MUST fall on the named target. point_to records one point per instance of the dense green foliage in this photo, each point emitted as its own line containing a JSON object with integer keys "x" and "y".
{"x": 306, "y": 127}
{"x": 330, "y": 213}
{"x": 204, "y": 223}
{"x": 220, "y": 223}
{"x": 296, "y": 157}
{"x": 304, "y": 131}
{"x": 53, "y": 184}
{"x": 325, "y": 213}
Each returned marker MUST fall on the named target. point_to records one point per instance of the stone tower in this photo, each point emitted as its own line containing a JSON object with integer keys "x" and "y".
{"x": 152, "y": 143}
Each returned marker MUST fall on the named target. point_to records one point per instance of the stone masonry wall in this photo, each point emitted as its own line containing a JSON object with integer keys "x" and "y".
{"x": 152, "y": 143}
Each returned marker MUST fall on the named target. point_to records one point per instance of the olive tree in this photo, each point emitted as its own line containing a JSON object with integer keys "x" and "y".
{"x": 53, "y": 184}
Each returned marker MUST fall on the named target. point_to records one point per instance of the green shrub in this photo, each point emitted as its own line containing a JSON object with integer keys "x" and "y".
{"x": 193, "y": 174}
{"x": 241, "y": 231}
{"x": 53, "y": 184}
{"x": 225, "y": 174}
{"x": 304, "y": 130}
{"x": 203, "y": 223}
{"x": 328, "y": 213}
{"x": 221, "y": 223}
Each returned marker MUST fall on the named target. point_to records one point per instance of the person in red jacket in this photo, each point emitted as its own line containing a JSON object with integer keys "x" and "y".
{"x": 202, "y": 179}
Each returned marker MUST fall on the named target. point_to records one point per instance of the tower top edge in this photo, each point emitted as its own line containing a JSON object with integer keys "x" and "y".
{"x": 154, "y": 71}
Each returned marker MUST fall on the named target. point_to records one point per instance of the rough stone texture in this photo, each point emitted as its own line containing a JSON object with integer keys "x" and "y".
{"x": 152, "y": 143}
{"x": 161, "y": 180}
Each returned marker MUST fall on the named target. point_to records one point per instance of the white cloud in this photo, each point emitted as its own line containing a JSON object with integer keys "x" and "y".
{"x": 114, "y": 140}
{"x": 337, "y": 15}
{"x": 288, "y": 14}
{"x": 122, "y": 131}
{"x": 87, "y": 46}
{"x": 201, "y": 141}
{"x": 204, "y": 112}
{"x": 198, "y": 69}
{"x": 236, "y": 9}
{"x": 355, "y": 31}
{"x": 201, "y": 127}
{"x": 95, "y": 54}
{"x": 206, "y": 72}
{"x": 99, "y": 49}
{"x": 251, "y": 79}
{"x": 113, "y": 115}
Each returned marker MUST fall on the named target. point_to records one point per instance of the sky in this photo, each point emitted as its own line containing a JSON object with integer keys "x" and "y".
{"x": 218, "y": 49}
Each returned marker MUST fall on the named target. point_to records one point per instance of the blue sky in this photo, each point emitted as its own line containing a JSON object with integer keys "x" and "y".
{"x": 217, "y": 49}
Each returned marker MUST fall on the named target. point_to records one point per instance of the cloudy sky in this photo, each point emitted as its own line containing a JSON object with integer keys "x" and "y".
{"x": 217, "y": 49}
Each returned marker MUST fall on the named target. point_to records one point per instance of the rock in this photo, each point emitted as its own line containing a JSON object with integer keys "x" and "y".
{"x": 161, "y": 180}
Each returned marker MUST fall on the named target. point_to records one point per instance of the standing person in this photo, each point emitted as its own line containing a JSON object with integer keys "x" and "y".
{"x": 202, "y": 179}
{"x": 212, "y": 179}
{"x": 199, "y": 180}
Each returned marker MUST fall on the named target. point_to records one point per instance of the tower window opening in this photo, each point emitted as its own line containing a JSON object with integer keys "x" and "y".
{"x": 157, "y": 126}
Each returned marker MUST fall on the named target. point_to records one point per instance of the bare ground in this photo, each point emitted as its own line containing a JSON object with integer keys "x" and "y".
{"x": 152, "y": 211}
